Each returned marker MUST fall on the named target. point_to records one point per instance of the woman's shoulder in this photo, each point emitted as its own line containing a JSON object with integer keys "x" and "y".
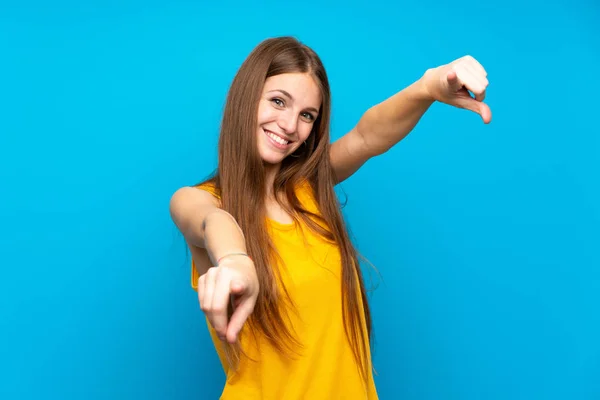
{"x": 305, "y": 192}
{"x": 210, "y": 187}
{"x": 303, "y": 188}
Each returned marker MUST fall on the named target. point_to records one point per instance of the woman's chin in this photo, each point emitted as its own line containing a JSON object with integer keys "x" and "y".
{"x": 272, "y": 161}
{"x": 272, "y": 158}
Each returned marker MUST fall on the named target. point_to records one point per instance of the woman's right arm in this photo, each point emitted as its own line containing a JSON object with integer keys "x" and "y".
{"x": 210, "y": 230}
{"x": 204, "y": 225}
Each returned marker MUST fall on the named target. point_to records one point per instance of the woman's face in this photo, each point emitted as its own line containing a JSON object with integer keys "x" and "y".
{"x": 287, "y": 110}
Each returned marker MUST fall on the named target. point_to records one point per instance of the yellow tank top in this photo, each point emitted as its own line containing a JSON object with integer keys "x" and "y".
{"x": 326, "y": 368}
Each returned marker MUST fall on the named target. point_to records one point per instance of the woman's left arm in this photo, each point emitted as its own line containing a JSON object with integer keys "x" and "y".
{"x": 387, "y": 123}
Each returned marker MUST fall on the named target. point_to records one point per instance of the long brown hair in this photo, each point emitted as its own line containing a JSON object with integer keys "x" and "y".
{"x": 240, "y": 181}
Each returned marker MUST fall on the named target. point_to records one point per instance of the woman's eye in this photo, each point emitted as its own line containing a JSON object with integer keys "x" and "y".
{"x": 308, "y": 116}
{"x": 277, "y": 101}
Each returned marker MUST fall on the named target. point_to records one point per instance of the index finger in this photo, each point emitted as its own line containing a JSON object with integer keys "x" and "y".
{"x": 238, "y": 319}
{"x": 220, "y": 302}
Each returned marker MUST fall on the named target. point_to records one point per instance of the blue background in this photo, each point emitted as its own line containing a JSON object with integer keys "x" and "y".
{"x": 486, "y": 236}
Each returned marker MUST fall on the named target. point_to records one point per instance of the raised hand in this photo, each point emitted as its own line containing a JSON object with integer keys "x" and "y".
{"x": 232, "y": 282}
{"x": 451, "y": 84}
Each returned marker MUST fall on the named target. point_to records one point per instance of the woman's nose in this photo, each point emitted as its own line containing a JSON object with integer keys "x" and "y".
{"x": 288, "y": 122}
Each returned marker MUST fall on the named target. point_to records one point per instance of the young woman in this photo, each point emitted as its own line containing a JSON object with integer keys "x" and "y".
{"x": 277, "y": 276}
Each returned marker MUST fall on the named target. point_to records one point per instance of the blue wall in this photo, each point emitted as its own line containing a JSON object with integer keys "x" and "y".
{"x": 486, "y": 236}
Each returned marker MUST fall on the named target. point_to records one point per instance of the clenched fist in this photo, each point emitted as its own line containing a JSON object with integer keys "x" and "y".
{"x": 451, "y": 84}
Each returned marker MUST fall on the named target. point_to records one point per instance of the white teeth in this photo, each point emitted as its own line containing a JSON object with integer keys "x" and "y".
{"x": 277, "y": 138}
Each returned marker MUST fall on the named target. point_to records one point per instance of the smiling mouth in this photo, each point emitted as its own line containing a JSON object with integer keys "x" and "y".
{"x": 278, "y": 140}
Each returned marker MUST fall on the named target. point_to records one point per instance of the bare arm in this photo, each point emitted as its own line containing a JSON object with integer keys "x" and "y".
{"x": 213, "y": 234}
{"x": 380, "y": 128}
{"x": 205, "y": 226}
{"x": 387, "y": 123}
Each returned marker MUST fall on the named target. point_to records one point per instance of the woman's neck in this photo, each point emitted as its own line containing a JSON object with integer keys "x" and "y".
{"x": 271, "y": 171}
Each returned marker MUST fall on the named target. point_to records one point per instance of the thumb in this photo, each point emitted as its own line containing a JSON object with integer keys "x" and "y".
{"x": 486, "y": 113}
{"x": 479, "y": 107}
{"x": 237, "y": 287}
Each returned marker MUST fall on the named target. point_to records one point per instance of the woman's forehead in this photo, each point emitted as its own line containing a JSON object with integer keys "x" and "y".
{"x": 300, "y": 87}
